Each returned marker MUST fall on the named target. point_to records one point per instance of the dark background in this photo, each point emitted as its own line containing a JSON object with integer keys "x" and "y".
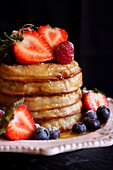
{"x": 89, "y": 24}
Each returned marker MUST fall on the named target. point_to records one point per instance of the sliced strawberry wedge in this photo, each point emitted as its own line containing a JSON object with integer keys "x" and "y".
{"x": 92, "y": 101}
{"x": 22, "y": 126}
{"x": 54, "y": 36}
{"x": 33, "y": 49}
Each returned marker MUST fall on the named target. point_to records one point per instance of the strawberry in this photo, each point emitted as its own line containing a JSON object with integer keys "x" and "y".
{"x": 54, "y": 36}
{"x": 32, "y": 49}
{"x": 92, "y": 101}
{"x": 22, "y": 125}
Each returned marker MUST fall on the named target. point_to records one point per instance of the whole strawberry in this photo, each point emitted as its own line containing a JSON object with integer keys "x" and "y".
{"x": 64, "y": 53}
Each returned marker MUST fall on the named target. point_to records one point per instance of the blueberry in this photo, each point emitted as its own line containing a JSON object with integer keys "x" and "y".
{"x": 103, "y": 113}
{"x": 40, "y": 133}
{"x": 54, "y": 132}
{"x": 91, "y": 114}
{"x": 91, "y": 124}
{"x": 79, "y": 128}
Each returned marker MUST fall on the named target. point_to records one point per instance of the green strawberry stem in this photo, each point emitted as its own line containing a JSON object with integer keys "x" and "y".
{"x": 9, "y": 38}
{"x": 7, "y": 45}
{"x": 25, "y": 29}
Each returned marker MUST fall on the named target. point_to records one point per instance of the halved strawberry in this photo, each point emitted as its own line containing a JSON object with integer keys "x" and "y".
{"x": 54, "y": 36}
{"x": 33, "y": 49}
{"x": 92, "y": 100}
{"x": 22, "y": 125}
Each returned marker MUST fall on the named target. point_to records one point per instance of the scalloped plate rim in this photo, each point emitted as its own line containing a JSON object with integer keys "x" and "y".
{"x": 100, "y": 138}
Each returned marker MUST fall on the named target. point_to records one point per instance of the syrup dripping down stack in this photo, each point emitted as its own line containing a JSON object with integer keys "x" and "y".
{"x": 52, "y": 91}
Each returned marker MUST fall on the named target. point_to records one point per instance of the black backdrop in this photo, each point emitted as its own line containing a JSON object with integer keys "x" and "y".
{"x": 89, "y": 25}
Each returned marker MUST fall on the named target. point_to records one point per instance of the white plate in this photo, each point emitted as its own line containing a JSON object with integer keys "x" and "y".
{"x": 100, "y": 138}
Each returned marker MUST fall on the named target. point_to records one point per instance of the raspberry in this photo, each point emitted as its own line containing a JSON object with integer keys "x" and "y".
{"x": 64, "y": 53}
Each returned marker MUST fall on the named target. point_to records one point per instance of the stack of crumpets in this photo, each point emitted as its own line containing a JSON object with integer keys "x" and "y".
{"x": 51, "y": 89}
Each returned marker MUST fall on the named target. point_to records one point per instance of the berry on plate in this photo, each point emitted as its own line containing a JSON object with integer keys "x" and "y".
{"x": 40, "y": 133}
{"x": 22, "y": 125}
{"x": 92, "y": 100}
{"x": 64, "y": 53}
{"x": 53, "y": 36}
{"x": 103, "y": 113}
{"x": 79, "y": 128}
{"x": 91, "y": 114}
{"x": 32, "y": 49}
{"x": 91, "y": 124}
{"x": 54, "y": 132}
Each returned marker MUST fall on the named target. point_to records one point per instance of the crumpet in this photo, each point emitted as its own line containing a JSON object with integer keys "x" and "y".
{"x": 10, "y": 87}
{"x": 43, "y": 102}
{"x": 39, "y": 72}
{"x": 58, "y": 113}
{"x": 63, "y": 124}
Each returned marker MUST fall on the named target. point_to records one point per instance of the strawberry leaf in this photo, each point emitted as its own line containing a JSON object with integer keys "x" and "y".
{"x": 98, "y": 91}
{"x": 3, "y": 128}
{"x": 10, "y": 111}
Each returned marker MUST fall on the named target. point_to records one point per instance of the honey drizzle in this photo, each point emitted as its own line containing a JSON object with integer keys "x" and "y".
{"x": 70, "y": 134}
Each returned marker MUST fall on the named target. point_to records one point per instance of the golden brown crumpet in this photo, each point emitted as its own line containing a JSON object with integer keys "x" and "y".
{"x": 63, "y": 124}
{"x": 39, "y": 72}
{"x": 43, "y": 102}
{"x": 58, "y": 113}
{"x": 10, "y": 87}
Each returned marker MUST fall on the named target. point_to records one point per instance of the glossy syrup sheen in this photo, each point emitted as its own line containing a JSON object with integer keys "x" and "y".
{"x": 70, "y": 134}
